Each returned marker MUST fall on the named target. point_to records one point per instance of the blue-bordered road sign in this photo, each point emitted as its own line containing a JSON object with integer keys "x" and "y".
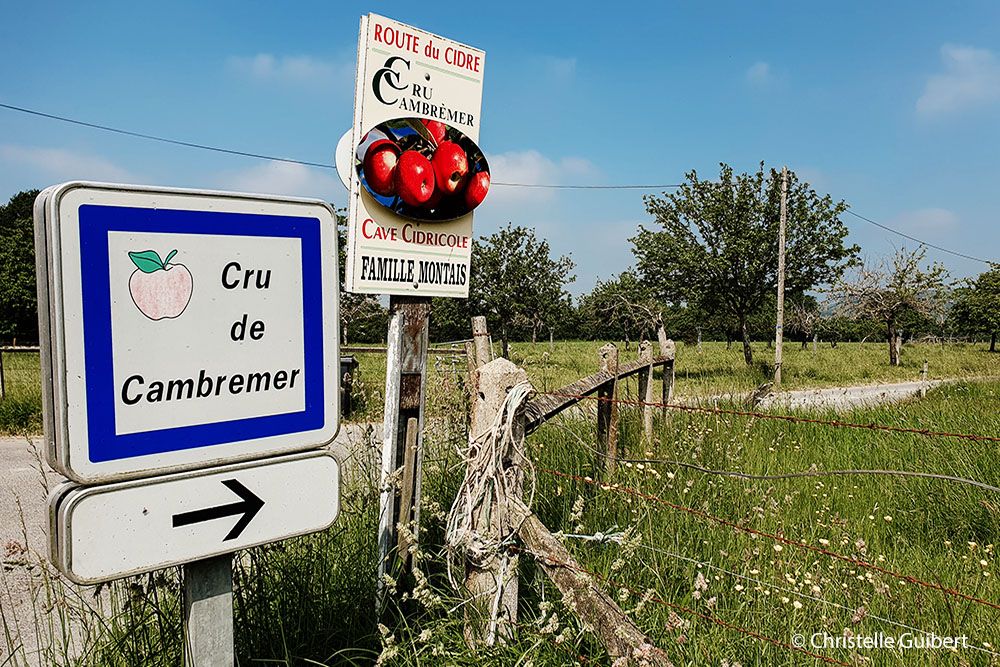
{"x": 184, "y": 329}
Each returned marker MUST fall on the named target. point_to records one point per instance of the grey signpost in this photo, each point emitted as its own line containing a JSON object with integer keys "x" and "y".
{"x": 190, "y": 352}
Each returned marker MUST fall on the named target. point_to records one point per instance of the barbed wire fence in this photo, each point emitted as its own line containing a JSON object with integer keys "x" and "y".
{"x": 614, "y": 393}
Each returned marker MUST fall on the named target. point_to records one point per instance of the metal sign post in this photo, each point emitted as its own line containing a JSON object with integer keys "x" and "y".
{"x": 208, "y": 612}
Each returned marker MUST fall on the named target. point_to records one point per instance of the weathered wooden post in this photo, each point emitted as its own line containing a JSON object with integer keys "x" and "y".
{"x": 668, "y": 350}
{"x": 491, "y": 577}
{"x": 481, "y": 339}
{"x": 646, "y": 390}
{"x": 923, "y": 380}
{"x": 607, "y": 408}
{"x": 406, "y": 362}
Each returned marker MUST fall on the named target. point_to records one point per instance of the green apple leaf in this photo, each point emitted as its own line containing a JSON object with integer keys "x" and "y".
{"x": 170, "y": 256}
{"x": 147, "y": 261}
{"x": 422, "y": 130}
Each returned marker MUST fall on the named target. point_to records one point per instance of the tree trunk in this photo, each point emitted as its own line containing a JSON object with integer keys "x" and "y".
{"x": 534, "y": 335}
{"x": 893, "y": 349}
{"x": 747, "y": 352}
{"x": 993, "y": 342}
{"x": 805, "y": 343}
{"x": 505, "y": 344}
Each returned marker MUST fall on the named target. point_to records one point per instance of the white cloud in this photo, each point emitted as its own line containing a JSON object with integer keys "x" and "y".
{"x": 971, "y": 78}
{"x": 927, "y": 221}
{"x": 759, "y": 74}
{"x": 58, "y": 164}
{"x": 284, "y": 178}
{"x": 266, "y": 67}
{"x": 532, "y": 168}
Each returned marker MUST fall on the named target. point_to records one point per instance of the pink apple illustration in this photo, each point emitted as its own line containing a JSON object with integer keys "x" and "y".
{"x": 159, "y": 289}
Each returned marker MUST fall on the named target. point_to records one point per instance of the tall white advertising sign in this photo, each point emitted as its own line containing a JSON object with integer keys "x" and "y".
{"x": 417, "y": 171}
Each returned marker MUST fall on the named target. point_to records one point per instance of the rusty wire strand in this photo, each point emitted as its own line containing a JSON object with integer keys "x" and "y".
{"x": 778, "y": 538}
{"x": 788, "y": 418}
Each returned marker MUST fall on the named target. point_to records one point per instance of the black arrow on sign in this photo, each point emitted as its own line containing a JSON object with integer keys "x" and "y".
{"x": 248, "y": 506}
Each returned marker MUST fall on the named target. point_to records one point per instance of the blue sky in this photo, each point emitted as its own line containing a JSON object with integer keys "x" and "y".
{"x": 894, "y": 106}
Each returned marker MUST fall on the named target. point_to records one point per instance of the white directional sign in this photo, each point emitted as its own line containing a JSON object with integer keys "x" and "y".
{"x": 124, "y": 528}
{"x": 184, "y": 329}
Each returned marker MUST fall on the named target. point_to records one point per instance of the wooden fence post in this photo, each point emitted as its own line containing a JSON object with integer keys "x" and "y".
{"x": 646, "y": 390}
{"x": 492, "y": 584}
{"x": 617, "y": 631}
{"x": 406, "y": 364}
{"x": 668, "y": 350}
{"x": 481, "y": 339}
{"x": 607, "y": 408}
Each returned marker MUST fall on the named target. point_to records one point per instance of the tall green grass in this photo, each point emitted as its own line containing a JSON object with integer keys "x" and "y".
{"x": 311, "y": 600}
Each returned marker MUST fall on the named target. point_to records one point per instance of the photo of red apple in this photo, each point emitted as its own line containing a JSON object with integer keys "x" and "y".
{"x": 380, "y": 166}
{"x": 436, "y": 128}
{"x": 451, "y": 167}
{"x": 414, "y": 178}
{"x": 159, "y": 288}
{"x": 422, "y": 169}
{"x": 476, "y": 191}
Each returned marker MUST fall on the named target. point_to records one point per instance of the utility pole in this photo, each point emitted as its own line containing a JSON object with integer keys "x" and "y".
{"x": 779, "y": 328}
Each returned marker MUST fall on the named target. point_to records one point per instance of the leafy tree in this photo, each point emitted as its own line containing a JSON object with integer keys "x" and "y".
{"x": 515, "y": 282}
{"x": 450, "y": 318}
{"x": 717, "y": 248}
{"x": 892, "y": 290}
{"x": 362, "y": 316}
{"x": 18, "y": 297}
{"x": 977, "y": 305}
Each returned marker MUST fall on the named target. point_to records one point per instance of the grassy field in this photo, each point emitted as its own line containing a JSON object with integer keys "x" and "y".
{"x": 714, "y": 369}
{"x": 710, "y": 371}
{"x": 309, "y": 601}
{"x": 21, "y": 409}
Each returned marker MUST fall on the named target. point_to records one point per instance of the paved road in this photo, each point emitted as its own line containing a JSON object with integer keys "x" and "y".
{"x": 24, "y": 483}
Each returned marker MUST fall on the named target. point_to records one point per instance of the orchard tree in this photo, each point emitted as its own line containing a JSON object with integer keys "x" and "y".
{"x": 977, "y": 305}
{"x": 624, "y": 304}
{"x": 18, "y": 298}
{"x": 892, "y": 290}
{"x": 802, "y": 316}
{"x": 362, "y": 317}
{"x": 717, "y": 246}
{"x": 517, "y": 283}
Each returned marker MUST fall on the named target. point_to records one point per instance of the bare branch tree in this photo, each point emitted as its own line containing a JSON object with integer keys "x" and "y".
{"x": 891, "y": 288}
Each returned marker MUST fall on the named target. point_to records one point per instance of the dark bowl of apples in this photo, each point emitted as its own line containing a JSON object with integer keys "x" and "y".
{"x": 422, "y": 169}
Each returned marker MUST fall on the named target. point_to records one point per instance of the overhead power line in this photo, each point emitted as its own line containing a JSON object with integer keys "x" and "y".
{"x": 165, "y": 140}
{"x": 324, "y": 165}
{"x": 589, "y": 187}
{"x": 916, "y": 240}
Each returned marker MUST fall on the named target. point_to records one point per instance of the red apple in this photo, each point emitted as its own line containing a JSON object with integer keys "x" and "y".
{"x": 476, "y": 191}
{"x": 414, "y": 178}
{"x": 436, "y": 128}
{"x": 451, "y": 167}
{"x": 380, "y": 166}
